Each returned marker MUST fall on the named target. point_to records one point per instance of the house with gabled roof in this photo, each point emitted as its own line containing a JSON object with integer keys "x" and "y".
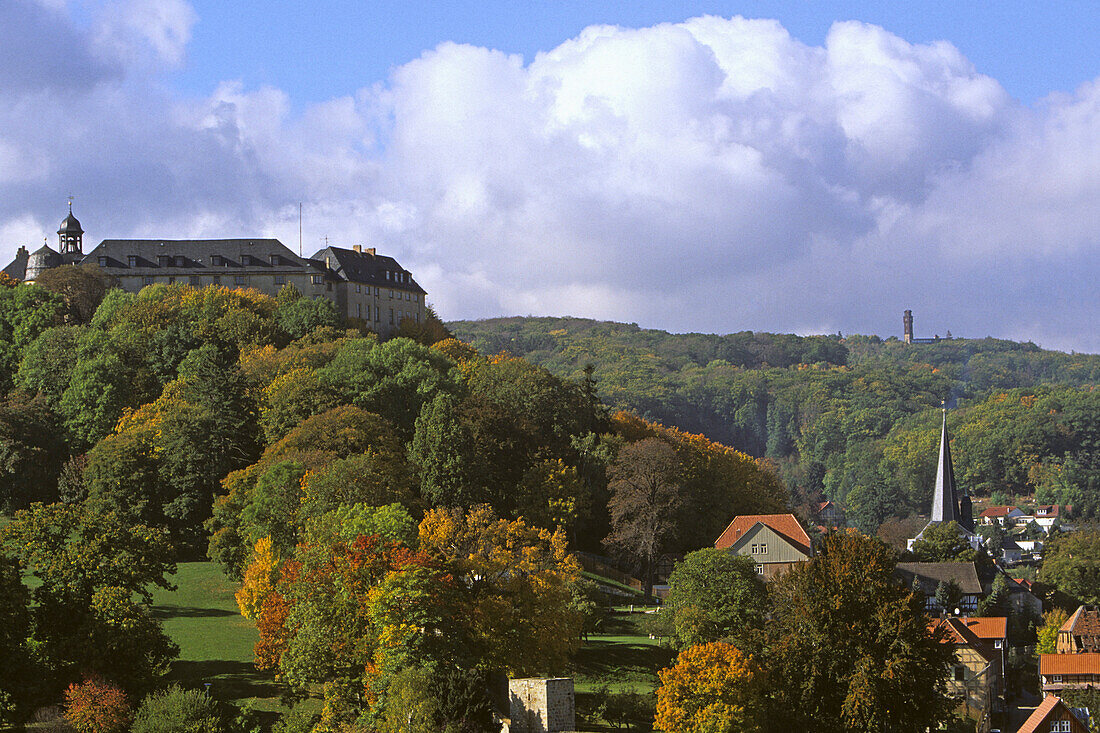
{"x": 774, "y": 542}
{"x": 1054, "y": 715}
{"x": 975, "y": 679}
{"x": 1059, "y": 672}
{"x": 1002, "y": 515}
{"x": 1081, "y": 632}
{"x": 928, "y": 576}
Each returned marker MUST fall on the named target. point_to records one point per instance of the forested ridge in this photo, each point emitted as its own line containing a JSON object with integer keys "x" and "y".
{"x": 852, "y": 418}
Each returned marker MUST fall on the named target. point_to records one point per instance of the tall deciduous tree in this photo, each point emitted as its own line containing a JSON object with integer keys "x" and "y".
{"x": 715, "y": 595}
{"x": 1070, "y": 564}
{"x": 644, "y": 503}
{"x": 852, "y": 647}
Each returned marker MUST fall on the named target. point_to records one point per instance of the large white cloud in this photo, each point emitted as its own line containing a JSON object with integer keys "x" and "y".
{"x": 711, "y": 175}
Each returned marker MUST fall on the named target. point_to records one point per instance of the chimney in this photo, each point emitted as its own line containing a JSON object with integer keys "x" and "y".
{"x": 371, "y": 251}
{"x": 358, "y": 248}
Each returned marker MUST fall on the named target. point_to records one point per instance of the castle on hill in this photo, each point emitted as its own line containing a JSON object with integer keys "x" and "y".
{"x": 909, "y": 338}
{"x": 364, "y": 285}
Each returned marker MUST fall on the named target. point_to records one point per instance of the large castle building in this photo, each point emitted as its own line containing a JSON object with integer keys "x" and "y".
{"x": 364, "y": 285}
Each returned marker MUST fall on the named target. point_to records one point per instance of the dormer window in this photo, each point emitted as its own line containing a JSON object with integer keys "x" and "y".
{"x": 276, "y": 260}
{"x": 179, "y": 261}
{"x": 216, "y": 260}
{"x": 102, "y": 261}
{"x": 387, "y": 274}
{"x": 246, "y": 260}
{"x": 131, "y": 261}
{"x": 162, "y": 260}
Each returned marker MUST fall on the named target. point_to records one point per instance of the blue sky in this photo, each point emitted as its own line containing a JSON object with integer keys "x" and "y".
{"x": 798, "y": 167}
{"x": 326, "y": 48}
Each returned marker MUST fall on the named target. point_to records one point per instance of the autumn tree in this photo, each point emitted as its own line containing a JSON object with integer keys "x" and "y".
{"x": 712, "y": 688}
{"x": 97, "y": 706}
{"x": 852, "y": 646}
{"x": 1048, "y": 633}
{"x": 82, "y": 288}
{"x": 715, "y": 595}
{"x": 644, "y": 503}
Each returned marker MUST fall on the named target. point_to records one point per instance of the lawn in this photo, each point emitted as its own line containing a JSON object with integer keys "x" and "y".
{"x": 215, "y": 640}
{"x": 622, "y": 657}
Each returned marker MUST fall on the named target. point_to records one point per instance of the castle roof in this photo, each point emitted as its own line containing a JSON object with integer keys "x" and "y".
{"x": 237, "y": 256}
{"x": 367, "y": 267}
{"x": 70, "y": 225}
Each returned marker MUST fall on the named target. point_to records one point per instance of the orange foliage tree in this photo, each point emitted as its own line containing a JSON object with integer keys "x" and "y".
{"x": 712, "y": 688}
{"x": 97, "y": 706}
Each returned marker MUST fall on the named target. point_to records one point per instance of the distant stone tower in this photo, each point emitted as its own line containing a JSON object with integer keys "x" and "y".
{"x": 70, "y": 237}
{"x": 908, "y": 322}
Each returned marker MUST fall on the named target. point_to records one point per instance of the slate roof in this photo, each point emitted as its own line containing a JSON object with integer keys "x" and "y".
{"x": 235, "y": 256}
{"x": 1083, "y": 663}
{"x": 783, "y": 524}
{"x": 368, "y": 268}
{"x": 931, "y": 574}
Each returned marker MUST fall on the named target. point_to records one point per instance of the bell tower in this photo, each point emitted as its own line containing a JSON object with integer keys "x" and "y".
{"x": 70, "y": 237}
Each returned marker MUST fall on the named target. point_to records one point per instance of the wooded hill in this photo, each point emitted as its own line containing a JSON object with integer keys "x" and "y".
{"x": 852, "y": 418}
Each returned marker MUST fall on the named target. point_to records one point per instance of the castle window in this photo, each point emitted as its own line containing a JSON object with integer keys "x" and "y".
{"x": 146, "y": 280}
{"x": 162, "y": 260}
{"x": 217, "y": 279}
{"x": 179, "y": 261}
{"x": 280, "y": 279}
{"x": 387, "y": 274}
{"x": 216, "y": 260}
{"x": 132, "y": 260}
{"x": 391, "y": 316}
{"x": 246, "y": 260}
{"x": 240, "y": 280}
{"x": 358, "y": 287}
{"x": 317, "y": 279}
{"x": 102, "y": 261}
{"x": 358, "y": 310}
{"x": 276, "y": 260}
{"x": 368, "y": 313}
{"x": 194, "y": 281}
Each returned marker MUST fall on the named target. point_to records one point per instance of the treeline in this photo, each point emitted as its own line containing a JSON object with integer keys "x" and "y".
{"x": 854, "y": 419}
{"x": 341, "y": 478}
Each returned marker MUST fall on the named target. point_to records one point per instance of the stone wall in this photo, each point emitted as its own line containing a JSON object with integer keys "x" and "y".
{"x": 541, "y": 705}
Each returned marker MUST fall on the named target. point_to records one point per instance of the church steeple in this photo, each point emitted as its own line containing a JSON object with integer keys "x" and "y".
{"x": 945, "y": 497}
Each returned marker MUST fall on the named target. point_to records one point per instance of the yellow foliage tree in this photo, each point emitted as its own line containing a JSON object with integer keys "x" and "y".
{"x": 1048, "y": 634}
{"x": 259, "y": 579}
{"x": 517, "y": 587}
{"x": 712, "y": 688}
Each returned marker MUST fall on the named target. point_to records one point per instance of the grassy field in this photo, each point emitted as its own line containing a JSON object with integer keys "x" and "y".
{"x": 215, "y": 640}
{"x": 623, "y": 658}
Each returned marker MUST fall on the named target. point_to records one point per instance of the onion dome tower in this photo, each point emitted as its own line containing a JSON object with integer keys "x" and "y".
{"x": 70, "y": 237}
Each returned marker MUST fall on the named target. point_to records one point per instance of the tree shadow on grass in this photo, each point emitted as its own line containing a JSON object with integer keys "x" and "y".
{"x": 165, "y": 612}
{"x": 229, "y": 680}
{"x": 621, "y": 661}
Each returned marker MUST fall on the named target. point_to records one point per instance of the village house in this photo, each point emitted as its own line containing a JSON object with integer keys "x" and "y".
{"x": 1081, "y": 632}
{"x": 774, "y": 542}
{"x": 930, "y": 575}
{"x": 1054, "y": 716}
{"x": 1002, "y": 515}
{"x": 1058, "y": 672}
{"x": 1046, "y": 515}
{"x": 976, "y": 680}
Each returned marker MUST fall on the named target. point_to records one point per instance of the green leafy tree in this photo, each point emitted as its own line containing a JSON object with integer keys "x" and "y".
{"x": 1071, "y": 563}
{"x": 299, "y": 316}
{"x": 948, "y": 595}
{"x": 48, "y": 361}
{"x": 942, "y": 542}
{"x": 17, "y": 671}
{"x": 25, "y": 312}
{"x": 590, "y": 603}
{"x": 81, "y": 287}
{"x": 31, "y": 452}
{"x": 176, "y": 710}
{"x": 715, "y": 595}
{"x": 840, "y": 625}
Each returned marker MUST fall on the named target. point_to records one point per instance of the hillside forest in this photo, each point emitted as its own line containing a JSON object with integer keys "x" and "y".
{"x": 854, "y": 419}
{"x": 359, "y": 491}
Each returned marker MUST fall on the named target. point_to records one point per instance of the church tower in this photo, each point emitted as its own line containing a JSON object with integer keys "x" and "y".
{"x": 70, "y": 237}
{"x": 947, "y": 504}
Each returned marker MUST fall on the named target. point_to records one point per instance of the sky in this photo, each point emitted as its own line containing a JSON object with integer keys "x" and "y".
{"x": 807, "y": 167}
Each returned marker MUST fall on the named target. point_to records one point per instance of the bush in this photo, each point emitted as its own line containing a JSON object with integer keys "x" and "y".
{"x": 97, "y": 706}
{"x": 301, "y": 719}
{"x": 177, "y": 710}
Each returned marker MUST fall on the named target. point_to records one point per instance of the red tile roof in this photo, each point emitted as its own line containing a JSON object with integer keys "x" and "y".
{"x": 783, "y": 524}
{"x": 959, "y": 634}
{"x": 1086, "y": 663}
{"x": 987, "y": 627}
{"x": 1035, "y": 722}
{"x": 996, "y": 511}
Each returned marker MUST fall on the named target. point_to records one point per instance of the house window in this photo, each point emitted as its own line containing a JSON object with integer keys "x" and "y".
{"x": 764, "y": 549}
{"x": 146, "y": 280}
{"x": 1056, "y": 679}
{"x": 391, "y": 293}
{"x": 759, "y": 569}
{"x": 240, "y": 280}
{"x": 328, "y": 287}
{"x": 753, "y": 549}
{"x": 960, "y": 673}
{"x": 1060, "y": 726}
{"x": 317, "y": 279}
{"x": 997, "y": 643}
{"x": 377, "y": 292}
{"x": 195, "y": 281}
{"x": 102, "y": 261}
{"x": 280, "y": 279}
{"x": 131, "y": 261}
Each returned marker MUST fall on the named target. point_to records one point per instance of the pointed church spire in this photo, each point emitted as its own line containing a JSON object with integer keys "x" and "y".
{"x": 945, "y": 498}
